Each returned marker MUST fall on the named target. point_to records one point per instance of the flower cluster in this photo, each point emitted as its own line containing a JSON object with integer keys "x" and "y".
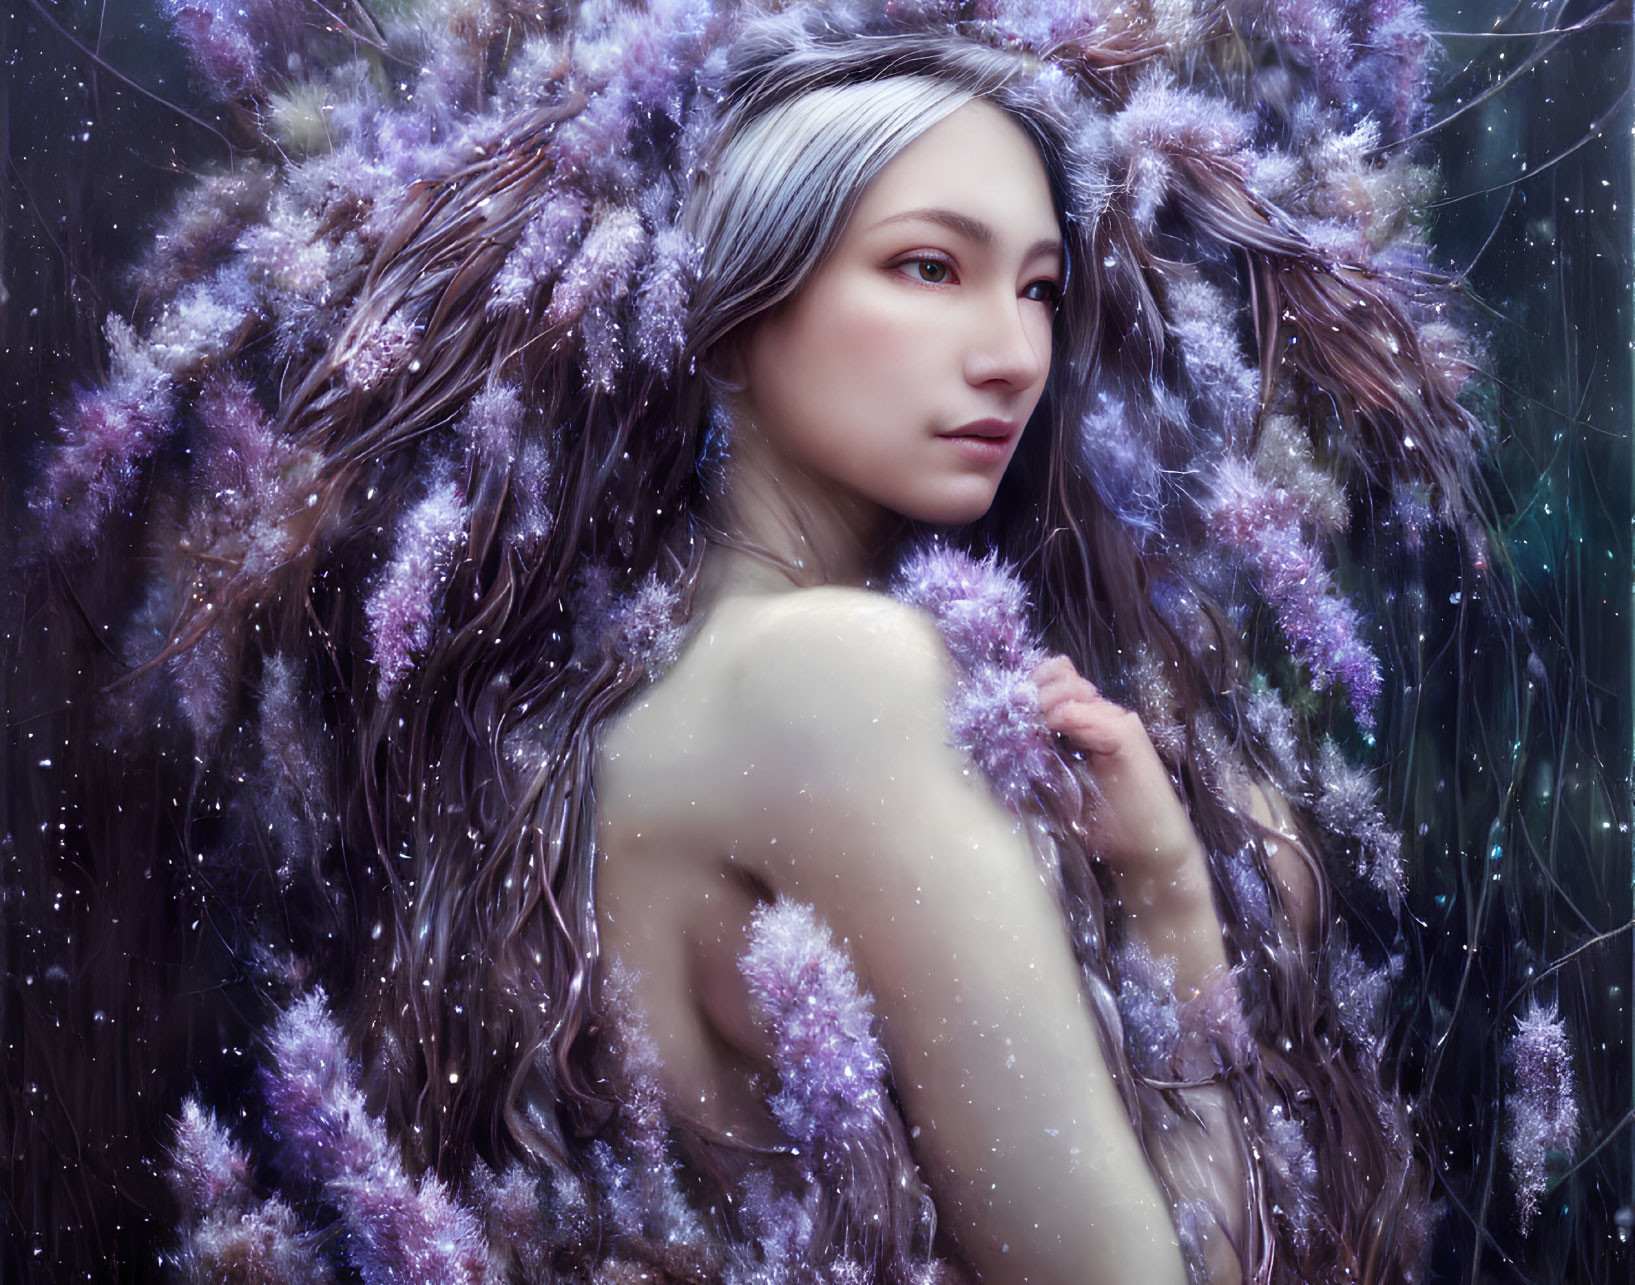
{"x": 831, "y": 1071}
{"x": 1542, "y": 1108}
{"x": 397, "y": 1229}
{"x": 1264, "y": 523}
{"x": 980, "y": 609}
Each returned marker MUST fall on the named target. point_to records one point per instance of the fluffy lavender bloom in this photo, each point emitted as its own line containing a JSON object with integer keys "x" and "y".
{"x": 1204, "y": 325}
{"x": 511, "y": 1208}
{"x": 777, "y": 1235}
{"x": 240, "y": 452}
{"x": 493, "y": 420}
{"x": 1249, "y": 888}
{"x": 290, "y": 734}
{"x": 107, "y": 433}
{"x": 980, "y": 607}
{"x": 263, "y": 1245}
{"x": 403, "y": 606}
{"x": 288, "y": 252}
{"x": 1262, "y": 522}
{"x": 1542, "y": 1108}
{"x": 1347, "y": 800}
{"x": 207, "y": 1168}
{"x": 1244, "y": 507}
{"x": 1147, "y": 1005}
{"x": 1317, "y": 29}
{"x": 1273, "y": 723}
{"x": 1359, "y": 996}
{"x": 643, "y": 628}
{"x": 1293, "y": 1166}
{"x": 530, "y": 486}
{"x": 540, "y": 251}
{"x": 993, "y": 717}
{"x": 1284, "y": 456}
{"x": 600, "y": 272}
{"x": 662, "y": 300}
{"x": 203, "y": 686}
{"x": 831, "y": 1070}
{"x": 1043, "y": 26}
{"x": 380, "y": 351}
{"x": 216, "y": 37}
{"x": 1160, "y": 123}
{"x": 1392, "y": 77}
{"x": 396, "y": 1230}
{"x": 602, "y": 335}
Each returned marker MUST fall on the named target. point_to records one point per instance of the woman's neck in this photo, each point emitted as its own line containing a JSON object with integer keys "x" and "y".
{"x": 781, "y": 528}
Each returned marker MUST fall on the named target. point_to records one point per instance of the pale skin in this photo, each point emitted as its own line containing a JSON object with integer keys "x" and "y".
{"x": 799, "y": 745}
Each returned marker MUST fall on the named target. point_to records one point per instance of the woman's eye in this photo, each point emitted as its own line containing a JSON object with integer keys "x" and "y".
{"x": 1045, "y": 292}
{"x": 932, "y": 271}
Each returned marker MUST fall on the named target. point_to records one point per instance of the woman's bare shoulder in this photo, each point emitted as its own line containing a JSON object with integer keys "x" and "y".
{"x": 836, "y": 650}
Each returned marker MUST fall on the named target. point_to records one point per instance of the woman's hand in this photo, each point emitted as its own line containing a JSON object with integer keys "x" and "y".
{"x": 1140, "y": 827}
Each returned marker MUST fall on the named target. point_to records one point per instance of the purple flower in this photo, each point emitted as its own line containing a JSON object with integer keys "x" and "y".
{"x": 663, "y": 298}
{"x": 1348, "y": 804}
{"x": 993, "y": 718}
{"x": 1262, "y": 523}
{"x": 831, "y": 1070}
{"x": 1160, "y": 124}
{"x": 287, "y": 253}
{"x": 493, "y": 421}
{"x": 380, "y": 350}
{"x": 1044, "y": 26}
{"x": 105, "y": 435}
{"x": 1359, "y": 996}
{"x": 1203, "y": 321}
{"x": 600, "y": 271}
{"x": 396, "y": 1230}
{"x": 290, "y": 736}
{"x": 207, "y": 1169}
{"x": 216, "y": 37}
{"x": 404, "y": 604}
{"x": 1542, "y": 1108}
{"x": 777, "y": 1231}
{"x": 980, "y": 607}
{"x": 1293, "y": 1166}
{"x": 1147, "y": 1005}
{"x": 643, "y": 626}
{"x": 540, "y": 251}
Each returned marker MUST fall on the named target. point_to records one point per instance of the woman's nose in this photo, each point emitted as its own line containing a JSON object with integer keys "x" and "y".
{"x": 1008, "y": 345}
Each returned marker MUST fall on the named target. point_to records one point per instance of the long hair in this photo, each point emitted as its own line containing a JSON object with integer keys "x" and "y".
{"x": 474, "y": 500}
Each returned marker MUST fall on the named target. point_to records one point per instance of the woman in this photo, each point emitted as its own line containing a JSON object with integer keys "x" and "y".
{"x": 543, "y": 552}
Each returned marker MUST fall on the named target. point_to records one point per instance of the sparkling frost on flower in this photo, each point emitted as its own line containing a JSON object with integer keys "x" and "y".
{"x": 831, "y": 1070}
{"x": 600, "y": 271}
{"x": 403, "y": 606}
{"x": 1542, "y": 1108}
{"x": 1161, "y": 123}
{"x": 980, "y": 609}
{"x": 979, "y": 606}
{"x": 1348, "y": 804}
{"x": 381, "y": 351}
{"x": 1262, "y": 523}
{"x": 106, "y": 434}
{"x": 397, "y": 1230}
{"x": 540, "y": 251}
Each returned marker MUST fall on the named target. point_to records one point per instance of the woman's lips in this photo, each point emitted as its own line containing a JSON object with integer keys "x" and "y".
{"x": 986, "y": 441}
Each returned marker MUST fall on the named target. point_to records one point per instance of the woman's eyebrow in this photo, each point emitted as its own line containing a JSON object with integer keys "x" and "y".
{"x": 972, "y": 229}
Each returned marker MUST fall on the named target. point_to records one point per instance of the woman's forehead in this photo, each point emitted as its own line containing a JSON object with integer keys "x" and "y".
{"x": 977, "y": 173}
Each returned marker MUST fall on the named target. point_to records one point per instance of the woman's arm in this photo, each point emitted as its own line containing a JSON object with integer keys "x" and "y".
{"x": 865, "y": 811}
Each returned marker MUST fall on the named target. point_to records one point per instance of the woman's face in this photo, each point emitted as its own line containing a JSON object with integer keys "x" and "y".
{"x": 903, "y": 372}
